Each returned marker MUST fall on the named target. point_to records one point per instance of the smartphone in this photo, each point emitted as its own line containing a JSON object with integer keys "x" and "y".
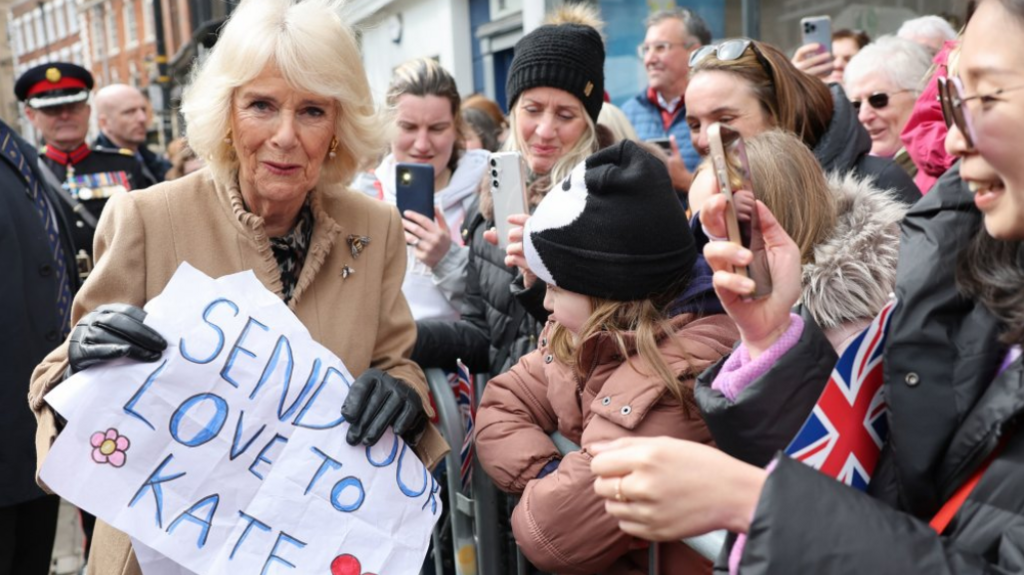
{"x": 817, "y": 29}
{"x": 414, "y": 188}
{"x": 663, "y": 143}
{"x": 508, "y": 188}
{"x": 732, "y": 171}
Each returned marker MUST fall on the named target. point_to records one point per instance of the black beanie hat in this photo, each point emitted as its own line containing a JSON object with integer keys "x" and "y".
{"x": 569, "y": 57}
{"x": 614, "y": 228}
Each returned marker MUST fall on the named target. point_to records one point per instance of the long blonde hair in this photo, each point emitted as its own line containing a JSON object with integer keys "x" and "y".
{"x": 648, "y": 322}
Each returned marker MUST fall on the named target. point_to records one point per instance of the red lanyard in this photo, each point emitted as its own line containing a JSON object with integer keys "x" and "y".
{"x": 953, "y": 505}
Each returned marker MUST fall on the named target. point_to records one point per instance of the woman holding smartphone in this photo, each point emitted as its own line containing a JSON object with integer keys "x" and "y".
{"x": 428, "y": 130}
{"x": 946, "y": 495}
{"x": 555, "y": 90}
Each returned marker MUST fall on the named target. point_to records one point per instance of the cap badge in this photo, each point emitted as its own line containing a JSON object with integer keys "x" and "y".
{"x": 53, "y": 75}
{"x": 588, "y": 89}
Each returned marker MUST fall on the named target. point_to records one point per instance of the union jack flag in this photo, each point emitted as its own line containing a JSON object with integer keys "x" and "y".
{"x": 843, "y": 436}
{"x": 462, "y": 385}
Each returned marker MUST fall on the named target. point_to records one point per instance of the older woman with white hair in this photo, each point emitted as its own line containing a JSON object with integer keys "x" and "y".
{"x": 929, "y": 31}
{"x": 282, "y": 112}
{"x": 883, "y": 81}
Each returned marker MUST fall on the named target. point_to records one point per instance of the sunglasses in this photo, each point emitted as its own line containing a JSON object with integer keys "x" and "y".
{"x": 878, "y": 100}
{"x": 731, "y": 50}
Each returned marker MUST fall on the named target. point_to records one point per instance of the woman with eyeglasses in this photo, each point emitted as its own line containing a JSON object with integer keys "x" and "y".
{"x": 883, "y": 81}
{"x": 946, "y": 495}
{"x": 753, "y": 87}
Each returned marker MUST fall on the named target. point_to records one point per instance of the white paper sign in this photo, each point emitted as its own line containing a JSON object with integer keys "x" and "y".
{"x": 228, "y": 456}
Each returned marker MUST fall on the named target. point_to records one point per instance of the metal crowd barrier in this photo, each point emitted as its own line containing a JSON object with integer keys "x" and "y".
{"x": 474, "y": 520}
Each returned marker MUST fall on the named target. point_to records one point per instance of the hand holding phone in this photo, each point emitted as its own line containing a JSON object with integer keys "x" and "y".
{"x": 414, "y": 188}
{"x": 508, "y": 189}
{"x": 732, "y": 172}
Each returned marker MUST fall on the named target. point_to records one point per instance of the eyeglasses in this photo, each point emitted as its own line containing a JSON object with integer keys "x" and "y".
{"x": 878, "y": 100}
{"x": 659, "y": 48}
{"x": 732, "y": 50}
{"x": 954, "y": 105}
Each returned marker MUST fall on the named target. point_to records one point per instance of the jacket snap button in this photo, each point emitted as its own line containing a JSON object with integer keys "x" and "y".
{"x": 549, "y": 358}
{"x": 626, "y": 410}
{"x": 606, "y": 401}
{"x": 912, "y": 379}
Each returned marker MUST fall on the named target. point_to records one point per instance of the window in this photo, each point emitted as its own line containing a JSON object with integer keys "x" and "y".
{"x": 147, "y": 18}
{"x": 59, "y": 16}
{"x": 26, "y": 31}
{"x": 97, "y": 32}
{"x": 16, "y": 38}
{"x": 76, "y": 55}
{"x": 113, "y": 34}
{"x": 51, "y": 30}
{"x": 37, "y": 21}
{"x": 502, "y": 8}
{"x": 131, "y": 29}
{"x": 72, "y": 16}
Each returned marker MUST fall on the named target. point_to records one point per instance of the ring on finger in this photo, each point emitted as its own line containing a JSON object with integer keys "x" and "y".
{"x": 618, "y": 492}
{"x": 415, "y": 242}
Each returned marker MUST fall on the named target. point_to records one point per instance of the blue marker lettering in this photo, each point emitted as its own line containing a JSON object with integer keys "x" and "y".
{"x": 238, "y": 348}
{"x": 340, "y": 486}
{"x": 153, "y": 482}
{"x": 212, "y": 427}
{"x": 262, "y": 455}
{"x": 327, "y": 462}
{"x": 204, "y": 524}
{"x": 235, "y": 451}
{"x": 312, "y": 400}
{"x": 398, "y": 475}
{"x": 220, "y": 332}
{"x": 282, "y": 536}
{"x": 268, "y": 370}
{"x": 245, "y": 532}
{"x": 434, "y": 488}
{"x": 314, "y": 374}
{"x": 391, "y": 456}
{"x": 129, "y": 407}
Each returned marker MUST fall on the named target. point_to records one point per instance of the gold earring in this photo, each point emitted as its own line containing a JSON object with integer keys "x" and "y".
{"x": 334, "y": 146}
{"x": 227, "y": 139}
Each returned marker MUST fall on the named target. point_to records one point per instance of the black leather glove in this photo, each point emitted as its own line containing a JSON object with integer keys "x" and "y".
{"x": 377, "y": 400}
{"x": 112, "y": 331}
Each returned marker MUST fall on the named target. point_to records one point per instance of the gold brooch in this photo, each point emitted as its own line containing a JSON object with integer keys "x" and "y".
{"x": 346, "y": 271}
{"x": 357, "y": 244}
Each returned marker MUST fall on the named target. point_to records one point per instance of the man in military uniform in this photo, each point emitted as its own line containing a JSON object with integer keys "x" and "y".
{"x": 56, "y": 97}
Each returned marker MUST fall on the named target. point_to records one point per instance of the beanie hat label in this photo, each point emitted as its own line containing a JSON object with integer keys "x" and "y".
{"x": 614, "y": 228}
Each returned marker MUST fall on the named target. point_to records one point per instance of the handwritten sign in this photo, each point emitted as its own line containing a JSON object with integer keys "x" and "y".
{"x": 228, "y": 455}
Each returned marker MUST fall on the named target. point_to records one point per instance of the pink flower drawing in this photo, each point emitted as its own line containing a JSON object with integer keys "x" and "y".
{"x": 109, "y": 447}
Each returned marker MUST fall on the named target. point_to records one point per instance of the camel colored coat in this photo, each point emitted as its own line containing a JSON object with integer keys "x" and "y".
{"x": 144, "y": 236}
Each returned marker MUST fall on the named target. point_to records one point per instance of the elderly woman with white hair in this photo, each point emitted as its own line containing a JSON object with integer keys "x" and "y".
{"x": 883, "y": 81}
{"x": 929, "y": 31}
{"x": 282, "y": 112}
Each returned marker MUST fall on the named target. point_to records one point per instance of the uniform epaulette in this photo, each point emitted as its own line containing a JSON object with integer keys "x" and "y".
{"x": 117, "y": 151}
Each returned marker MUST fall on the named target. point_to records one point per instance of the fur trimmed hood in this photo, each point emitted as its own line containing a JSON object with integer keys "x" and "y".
{"x": 854, "y": 270}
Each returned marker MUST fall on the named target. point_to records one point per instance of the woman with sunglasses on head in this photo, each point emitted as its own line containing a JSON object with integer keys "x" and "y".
{"x": 752, "y": 87}
{"x": 946, "y": 495}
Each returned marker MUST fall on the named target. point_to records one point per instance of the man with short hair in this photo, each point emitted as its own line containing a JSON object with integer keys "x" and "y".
{"x": 122, "y": 113}
{"x": 660, "y": 111}
{"x": 56, "y": 97}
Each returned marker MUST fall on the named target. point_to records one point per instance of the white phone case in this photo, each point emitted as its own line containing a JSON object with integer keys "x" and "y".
{"x": 508, "y": 187}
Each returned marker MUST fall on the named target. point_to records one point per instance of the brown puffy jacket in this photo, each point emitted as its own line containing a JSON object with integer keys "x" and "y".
{"x": 560, "y": 523}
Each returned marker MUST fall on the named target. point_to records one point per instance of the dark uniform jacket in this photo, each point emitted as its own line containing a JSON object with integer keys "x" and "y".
{"x": 90, "y": 176}
{"x": 154, "y": 167}
{"x": 29, "y": 323}
{"x": 948, "y": 412}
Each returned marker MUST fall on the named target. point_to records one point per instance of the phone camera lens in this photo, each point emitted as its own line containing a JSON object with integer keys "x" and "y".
{"x": 494, "y": 163}
{"x": 494, "y": 173}
{"x": 406, "y": 178}
{"x": 494, "y": 184}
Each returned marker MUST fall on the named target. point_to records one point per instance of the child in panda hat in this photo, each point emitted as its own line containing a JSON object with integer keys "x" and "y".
{"x": 613, "y": 245}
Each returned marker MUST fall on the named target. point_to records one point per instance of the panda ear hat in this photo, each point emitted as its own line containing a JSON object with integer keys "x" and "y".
{"x": 614, "y": 228}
